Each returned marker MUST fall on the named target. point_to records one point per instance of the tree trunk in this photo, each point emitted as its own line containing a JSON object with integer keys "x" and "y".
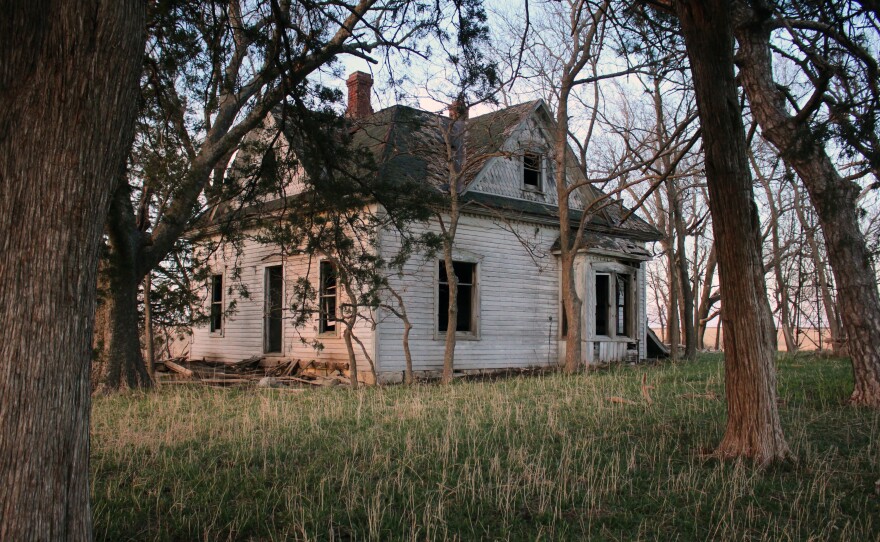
{"x": 408, "y": 373}
{"x": 124, "y": 356}
{"x": 753, "y": 426}
{"x": 69, "y": 87}
{"x": 125, "y": 359}
{"x": 687, "y": 294}
{"x": 148, "y": 329}
{"x": 706, "y": 301}
{"x": 573, "y": 312}
{"x": 568, "y": 244}
{"x": 833, "y": 198}
{"x": 452, "y": 316}
{"x": 352, "y": 360}
{"x": 400, "y": 312}
{"x": 781, "y": 284}
{"x": 672, "y": 309}
{"x": 837, "y": 341}
{"x": 349, "y": 323}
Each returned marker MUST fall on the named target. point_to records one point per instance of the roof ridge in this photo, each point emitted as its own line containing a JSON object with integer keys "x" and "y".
{"x": 531, "y": 103}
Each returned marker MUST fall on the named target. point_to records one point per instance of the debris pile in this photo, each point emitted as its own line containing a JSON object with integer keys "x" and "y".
{"x": 252, "y": 372}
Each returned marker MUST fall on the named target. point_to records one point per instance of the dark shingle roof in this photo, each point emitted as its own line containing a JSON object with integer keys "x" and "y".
{"x": 409, "y": 144}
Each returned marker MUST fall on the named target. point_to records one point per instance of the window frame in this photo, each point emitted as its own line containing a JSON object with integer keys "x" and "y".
{"x": 213, "y": 289}
{"x": 322, "y": 320}
{"x": 266, "y": 309}
{"x": 474, "y": 333}
{"x": 609, "y": 325}
{"x": 540, "y": 172}
{"x": 626, "y": 280}
{"x": 630, "y": 326}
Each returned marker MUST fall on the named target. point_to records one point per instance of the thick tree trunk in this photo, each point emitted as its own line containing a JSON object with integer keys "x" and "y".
{"x": 68, "y": 85}
{"x": 753, "y": 426}
{"x": 125, "y": 360}
{"x": 833, "y": 198}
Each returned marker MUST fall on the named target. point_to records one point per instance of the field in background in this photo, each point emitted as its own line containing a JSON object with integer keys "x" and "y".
{"x": 538, "y": 457}
{"x": 808, "y": 339}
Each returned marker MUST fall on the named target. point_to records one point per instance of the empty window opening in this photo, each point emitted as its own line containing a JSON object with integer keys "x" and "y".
{"x": 327, "y": 298}
{"x": 603, "y": 292}
{"x": 216, "y": 303}
{"x": 465, "y": 272}
{"x": 532, "y": 177}
{"x": 563, "y": 324}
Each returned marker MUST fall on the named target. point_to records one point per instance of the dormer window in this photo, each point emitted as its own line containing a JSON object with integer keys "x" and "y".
{"x": 533, "y": 172}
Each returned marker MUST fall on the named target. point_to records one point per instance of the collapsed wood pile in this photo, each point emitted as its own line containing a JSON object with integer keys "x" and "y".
{"x": 252, "y": 372}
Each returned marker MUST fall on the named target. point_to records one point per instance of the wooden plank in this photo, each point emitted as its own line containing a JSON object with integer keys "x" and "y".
{"x": 179, "y": 369}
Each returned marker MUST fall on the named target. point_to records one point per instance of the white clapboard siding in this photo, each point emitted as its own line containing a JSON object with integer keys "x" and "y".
{"x": 518, "y": 299}
{"x": 243, "y": 334}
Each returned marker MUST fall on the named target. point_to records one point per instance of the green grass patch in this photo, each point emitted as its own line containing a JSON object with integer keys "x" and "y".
{"x": 528, "y": 458}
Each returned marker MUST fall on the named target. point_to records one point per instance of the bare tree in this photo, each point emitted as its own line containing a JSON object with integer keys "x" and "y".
{"x": 69, "y": 87}
{"x": 829, "y": 54}
{"x": 753, "y": 426}
{"x": 777, "y": 250}
{"x": 261, "y": 54}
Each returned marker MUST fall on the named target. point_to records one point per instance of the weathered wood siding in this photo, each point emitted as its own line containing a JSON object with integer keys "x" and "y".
{"x": 243, "y": 330}
{"x": 503, "y": 175}
{"x": 518, "y": 294}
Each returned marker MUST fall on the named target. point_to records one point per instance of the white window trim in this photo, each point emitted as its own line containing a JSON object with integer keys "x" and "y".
{"x": 475, "y": 334}
{"x": 266, "y": 306}
{"x": 613, "y": 270}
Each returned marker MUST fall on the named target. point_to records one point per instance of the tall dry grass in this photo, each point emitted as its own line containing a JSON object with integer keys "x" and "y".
{"x": 531, "y": 458}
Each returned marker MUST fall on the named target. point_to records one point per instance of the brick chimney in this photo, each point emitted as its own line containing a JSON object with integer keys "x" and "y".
{"x": 458, "y": 110}
{"x": 359, "y": 86}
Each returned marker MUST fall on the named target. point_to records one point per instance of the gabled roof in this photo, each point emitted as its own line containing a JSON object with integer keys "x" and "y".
{"x": 410, "y": 144}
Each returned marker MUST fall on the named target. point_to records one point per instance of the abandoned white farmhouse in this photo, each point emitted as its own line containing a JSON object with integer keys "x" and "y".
{"x": 510, "y": 313}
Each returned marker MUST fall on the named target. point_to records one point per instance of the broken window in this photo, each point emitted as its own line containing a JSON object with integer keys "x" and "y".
{"x": 563, "y": 324}
{"x": 327, "y": 298}
{"x": 273, "y": 314}
{"x": 216, "y": 303}
{"x": 465, "y": 273}
{"x": 532, "y": 171}
{"x": 614, "y": 304}
{"x": 603, "y": 291}
{"x": 623, "y": 305}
